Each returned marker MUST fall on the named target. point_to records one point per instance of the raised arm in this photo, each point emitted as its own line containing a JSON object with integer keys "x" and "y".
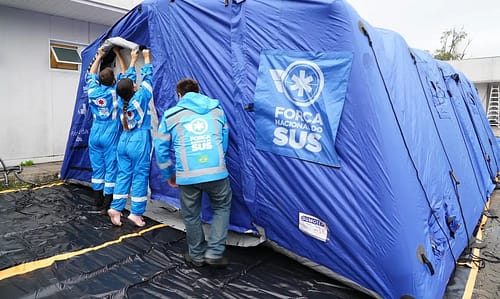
{"x": 133, "y": 57}
{"x": 147, "y": 70}
{"x": 131, "y": 72}
{"x": 121, "y": 61}
{"x": 147, "y": 56}
{"x": 95, "y": 65}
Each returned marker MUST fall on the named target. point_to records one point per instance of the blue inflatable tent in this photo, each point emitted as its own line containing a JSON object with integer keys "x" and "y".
{"x": 353, "y": 153}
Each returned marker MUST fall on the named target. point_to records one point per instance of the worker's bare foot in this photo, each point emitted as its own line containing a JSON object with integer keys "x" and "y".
{"x": 137, "y": 220}
{"x": 115, "y": 217}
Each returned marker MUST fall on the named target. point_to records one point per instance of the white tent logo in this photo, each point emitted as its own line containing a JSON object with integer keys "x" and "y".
{"x": 302, "y": 82}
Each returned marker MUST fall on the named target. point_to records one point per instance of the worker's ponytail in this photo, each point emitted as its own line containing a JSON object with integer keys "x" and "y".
{"x": 125, "y": 89}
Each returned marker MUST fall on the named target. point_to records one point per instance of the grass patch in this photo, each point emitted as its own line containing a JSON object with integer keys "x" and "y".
{"x": 13, "y": 186}
{"x": 27, "y": 163}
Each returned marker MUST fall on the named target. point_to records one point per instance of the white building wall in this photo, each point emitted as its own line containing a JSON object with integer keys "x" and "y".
{"x": 479, "y": 70}
{"x": 482, "y": 90}
{"x": 37, "y": 101}
{"x": 483, "y": 72}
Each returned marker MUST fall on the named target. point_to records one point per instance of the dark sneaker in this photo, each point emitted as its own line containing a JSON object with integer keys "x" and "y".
{"x": 98, "y": 198}
{"x": 192, "y": 262}
{"x": 220, "y": 262}
{"x": 106, "y": 203}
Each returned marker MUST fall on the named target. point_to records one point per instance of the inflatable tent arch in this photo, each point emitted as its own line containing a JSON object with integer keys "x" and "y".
{"x": 342, "y": 153}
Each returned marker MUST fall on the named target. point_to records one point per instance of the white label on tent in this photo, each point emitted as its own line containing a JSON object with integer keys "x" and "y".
{"x": 313, "y": 227}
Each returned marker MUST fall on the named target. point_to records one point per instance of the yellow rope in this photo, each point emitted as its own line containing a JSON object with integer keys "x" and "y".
{"x": 34, "y": 188}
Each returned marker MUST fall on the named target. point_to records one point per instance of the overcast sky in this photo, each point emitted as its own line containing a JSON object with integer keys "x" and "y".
{"x": 421, "y": 22}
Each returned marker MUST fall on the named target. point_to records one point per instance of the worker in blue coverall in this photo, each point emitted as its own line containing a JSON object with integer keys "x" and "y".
{"x": 196, "y": 128}
{"x": 134, "y": 146}
{"x": 106, "y": 127}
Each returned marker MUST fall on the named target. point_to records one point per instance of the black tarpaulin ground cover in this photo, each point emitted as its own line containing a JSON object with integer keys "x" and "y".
{"x": 55, "y": 244}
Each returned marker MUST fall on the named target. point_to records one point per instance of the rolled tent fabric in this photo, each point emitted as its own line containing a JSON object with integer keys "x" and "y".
{"x": 118, "y": 42}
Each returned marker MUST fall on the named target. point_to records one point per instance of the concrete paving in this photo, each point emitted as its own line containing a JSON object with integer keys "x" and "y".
{"x": 38, "y": 174}
{"x": 487, "y": 284}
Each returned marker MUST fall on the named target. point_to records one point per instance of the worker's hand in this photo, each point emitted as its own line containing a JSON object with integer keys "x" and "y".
{"x": 116, "y": 50}
{"x": 134, "y": 54}
{"x": 101, "y": 52}
{"x": 172, "y": 182}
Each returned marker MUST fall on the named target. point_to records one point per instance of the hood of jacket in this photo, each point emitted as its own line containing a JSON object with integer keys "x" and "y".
{"x": 197, "y": 102}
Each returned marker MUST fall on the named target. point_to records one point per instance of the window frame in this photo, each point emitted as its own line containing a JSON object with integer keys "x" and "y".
{"x": 55, "y": 63}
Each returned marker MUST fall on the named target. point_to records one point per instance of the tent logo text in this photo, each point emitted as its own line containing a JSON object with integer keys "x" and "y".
{"x": 299, "y": 98}
{"x": 298, "y": 129}
{"x": 302, "y": 82}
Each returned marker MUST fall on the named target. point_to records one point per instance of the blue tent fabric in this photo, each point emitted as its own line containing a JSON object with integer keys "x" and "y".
{"x": 474, "y": 127}
{"x": 392, "y": 198}
{"x": 471, "y": 98}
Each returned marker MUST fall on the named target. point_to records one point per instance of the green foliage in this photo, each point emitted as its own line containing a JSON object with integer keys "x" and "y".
{"x": 27, "y": 163}
{"x": 451, "y": 42}
{"x": 12, "y": 186}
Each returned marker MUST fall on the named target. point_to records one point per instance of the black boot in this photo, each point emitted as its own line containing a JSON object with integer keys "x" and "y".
{"x": 108, "y": 198}
{"x": 98, "y": 198}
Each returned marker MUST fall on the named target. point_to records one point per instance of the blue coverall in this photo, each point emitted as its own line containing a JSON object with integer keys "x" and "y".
{"x": 105, "y": 131}
{"x": 134, "y": 148}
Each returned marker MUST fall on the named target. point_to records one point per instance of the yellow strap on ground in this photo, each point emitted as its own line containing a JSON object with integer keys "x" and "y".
{"x": 35, "y": 265}
{"x": 471, "y": 281}
{"x": 33, "y": 188}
